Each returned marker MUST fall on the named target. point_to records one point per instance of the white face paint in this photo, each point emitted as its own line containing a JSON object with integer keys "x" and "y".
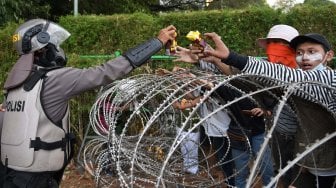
{"x": 309, "y": 57}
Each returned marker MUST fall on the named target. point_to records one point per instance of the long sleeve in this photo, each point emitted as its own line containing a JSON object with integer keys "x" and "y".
{"x": 317, "y": 86}
{"x": 65, "y": 83}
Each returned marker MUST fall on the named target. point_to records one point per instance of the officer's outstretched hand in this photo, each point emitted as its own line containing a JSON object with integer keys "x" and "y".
{"x": 220, "y": 50}
{"x": 166, "y": 34}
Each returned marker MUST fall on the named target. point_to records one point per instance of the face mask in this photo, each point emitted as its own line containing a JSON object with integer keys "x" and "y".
{"x": 51, "y": 57}
{"x": 319, "y": 67}
{"x": 281, "y": 54}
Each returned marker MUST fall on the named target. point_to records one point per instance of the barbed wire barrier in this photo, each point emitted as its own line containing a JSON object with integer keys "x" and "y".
{"x": 140, "y": 135}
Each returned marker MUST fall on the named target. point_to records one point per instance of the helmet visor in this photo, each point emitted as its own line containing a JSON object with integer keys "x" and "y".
{"x": 57, "y": 34}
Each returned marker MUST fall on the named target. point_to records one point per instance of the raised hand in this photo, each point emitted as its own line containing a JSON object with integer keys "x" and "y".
{"x": 220, "y": 51}
{"x": 185, "y": 55}
{"x": 198, "y": 53}
{"x": 166, "y": 34}
{"x": 257, "y": 112}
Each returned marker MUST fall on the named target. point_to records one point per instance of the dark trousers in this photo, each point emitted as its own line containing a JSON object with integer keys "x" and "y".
{"x": 305, "y": 179}
{"x": 2, "y": 174}
{"x": 283, "y": 151}
{"x": 16, "y": 179}
{"x": 220, "y": 145}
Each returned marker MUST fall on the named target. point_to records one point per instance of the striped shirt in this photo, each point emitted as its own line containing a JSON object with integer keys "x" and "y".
{"x": 210, "y": 67}
{"x": 317, "y": 86}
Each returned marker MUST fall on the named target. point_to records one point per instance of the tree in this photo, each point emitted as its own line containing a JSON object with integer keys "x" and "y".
{"x": 284, "y": 5}
{"x": 50, "y": 9}
{"x": 219, "y": 4}
{"x": 21, "y": 9}
{"x": 318, "y": 2}
{"x": 113, "y": 6}
{"x": 168, "y": 5}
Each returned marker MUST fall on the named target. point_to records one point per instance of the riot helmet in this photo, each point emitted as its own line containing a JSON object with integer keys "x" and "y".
{"x": 38, "y": 33}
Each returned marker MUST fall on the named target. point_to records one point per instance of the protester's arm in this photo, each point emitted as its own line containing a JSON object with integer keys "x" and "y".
{"x": 224, "y": 68}
{"x": 187, "y": 103}
{"x": 260, "y": 112}
{"x": 256, "y": 66}
{"x": 252, "y": 65}
{"x": 188, "y": 56}
{"x": 185, "y": 55}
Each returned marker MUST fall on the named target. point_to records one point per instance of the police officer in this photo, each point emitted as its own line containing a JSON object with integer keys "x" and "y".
{"x": 35, "y": 139}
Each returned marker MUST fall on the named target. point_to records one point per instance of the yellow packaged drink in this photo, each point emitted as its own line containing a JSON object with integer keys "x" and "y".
{"x": 196, "y": 39}
{"x": 171, "y": 46}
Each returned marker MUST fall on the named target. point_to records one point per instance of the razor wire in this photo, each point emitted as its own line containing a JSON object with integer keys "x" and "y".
{"x": 139, "y": 132}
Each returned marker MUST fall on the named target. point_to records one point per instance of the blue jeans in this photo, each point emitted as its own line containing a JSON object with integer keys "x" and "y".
{"x": 242, "y": 158}
{"x": 221, "y": 146}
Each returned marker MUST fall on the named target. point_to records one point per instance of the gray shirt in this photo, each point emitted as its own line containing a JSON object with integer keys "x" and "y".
{"x": 65, "y": 83}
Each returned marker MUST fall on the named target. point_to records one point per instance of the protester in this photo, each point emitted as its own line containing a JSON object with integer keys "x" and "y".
{"x": 247, "y": 131}
{"x": 215, "y": 126}
{"x": 278, "y": 50}
{"x": 312, "y": 52}
{"x": 35, "y": 140}
{"x": 276, "y": 45}
{"x": 188, "y": 136}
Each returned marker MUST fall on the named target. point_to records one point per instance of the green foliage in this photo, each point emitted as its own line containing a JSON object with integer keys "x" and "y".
{"x": 21, "y": 9}
{"x": 284, "y": 5}
{"x": 219, "y": 4}
{"x": 50, "y": 9}
{"x": 232, "y": 25}
{"x": 103, "y": 35}
{"x": 239, "y": 28}
{"x": 8, "y": 55}
{"x": 317, "y": 19}
{"x": 106, "y": 34}
{"x": 318, "y": 2}
{"x": 112, "y": 6}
